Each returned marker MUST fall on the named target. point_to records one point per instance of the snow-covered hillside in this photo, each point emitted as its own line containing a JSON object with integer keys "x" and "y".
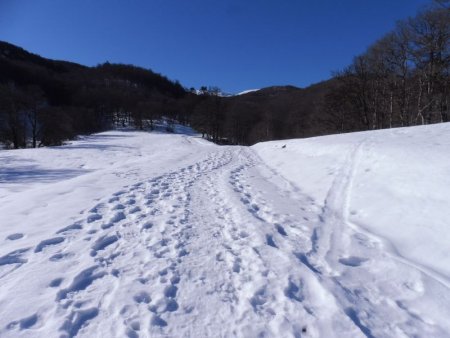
{"x": 133, "y": 234}
{"x": 247, "y": 91}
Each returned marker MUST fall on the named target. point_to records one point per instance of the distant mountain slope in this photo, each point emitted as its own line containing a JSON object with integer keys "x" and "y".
{"x": 91, "y": 99}
{"x": 22, "y": 67}
{"x": 44, "y": 102}
{"x": 281, "y": 112}
{"x": 12, "y": 53}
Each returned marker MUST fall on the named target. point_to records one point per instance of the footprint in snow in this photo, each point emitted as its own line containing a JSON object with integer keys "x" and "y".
{"x": 14, "y": 257}
{"x": 95, "y": 209}
{"x": 102, "y": 243}
{"x": 158, "y": 321}
{"x": 24, "y": 323}
{"x": 121, "y": 192}
{"x": 270, "y": 241}
{"x": 119, "y": 216}
{"x": 131, "y": 201}
{"x": 55, "y": 282}
{"x": 280, "y": 230}
{"x": 75, "y": 226}
{"x": 14, "y": 237}
{"x": 294, "y": 291}
{"x": 48, "y": 242}
{"x": 81, "y": 281}
{"x": 171, "y": 305}
{"x": 135, "y": 210}
{"x": 113, "y": 199}
{"x": 142, "y": 297}
{"x": 93, "y": 218}
{"x": 78, "y": 319}
{"x": 237, "y": 265}
{"x": 352, "y": 261}
{"x": 259, "y": 299}
{"x": 60, "y": 256}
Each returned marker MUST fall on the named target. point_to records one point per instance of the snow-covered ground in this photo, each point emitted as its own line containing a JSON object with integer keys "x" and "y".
{"x": 133, "y": 234}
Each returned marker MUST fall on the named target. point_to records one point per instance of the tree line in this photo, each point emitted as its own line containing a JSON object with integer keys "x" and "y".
{"x": 267, "y": 114}
{"x": 45, "y": 102}
{"x": 403, "y": 79}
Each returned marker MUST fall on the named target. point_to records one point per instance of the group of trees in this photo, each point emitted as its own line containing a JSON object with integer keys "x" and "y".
{"x": 231, "y": 120}
{"x": 266, "y": 114}
{"x": 401, "y": 80}
{"x": 44, "y": 102}
{"x": 23, "y": 118}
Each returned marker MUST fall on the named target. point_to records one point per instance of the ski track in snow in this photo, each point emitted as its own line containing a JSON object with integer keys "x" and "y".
{"x": 224, "y": 247}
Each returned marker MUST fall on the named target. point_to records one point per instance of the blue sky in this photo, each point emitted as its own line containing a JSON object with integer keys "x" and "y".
{"x": 235, "y": 45}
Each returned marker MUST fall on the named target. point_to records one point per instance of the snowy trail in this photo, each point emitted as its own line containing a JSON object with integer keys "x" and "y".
{"x": 220, "y": 246}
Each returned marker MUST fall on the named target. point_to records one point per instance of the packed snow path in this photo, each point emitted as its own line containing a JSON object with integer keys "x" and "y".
{"x": 221, "y": 246}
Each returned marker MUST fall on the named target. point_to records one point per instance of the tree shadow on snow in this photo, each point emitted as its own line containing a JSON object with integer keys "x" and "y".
{"x": 34, "y": 174}
{"x": 94, "y": 146}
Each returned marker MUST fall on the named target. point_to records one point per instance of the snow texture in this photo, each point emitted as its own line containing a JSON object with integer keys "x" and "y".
{"x": 133, "y": 234}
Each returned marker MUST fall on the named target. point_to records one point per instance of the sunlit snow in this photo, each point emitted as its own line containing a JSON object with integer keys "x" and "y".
{"x": 136, "y": 234}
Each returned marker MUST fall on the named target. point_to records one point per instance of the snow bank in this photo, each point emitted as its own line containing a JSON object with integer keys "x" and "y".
{"x": 398, "y": 185}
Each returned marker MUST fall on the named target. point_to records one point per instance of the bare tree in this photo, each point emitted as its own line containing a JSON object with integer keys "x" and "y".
{"x": 34, "y": 102}
{"x": 14, "y": 120}
{"x": 402, "y": 79}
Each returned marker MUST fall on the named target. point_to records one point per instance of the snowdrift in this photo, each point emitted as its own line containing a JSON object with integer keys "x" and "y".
{"x": 397, "y": 185}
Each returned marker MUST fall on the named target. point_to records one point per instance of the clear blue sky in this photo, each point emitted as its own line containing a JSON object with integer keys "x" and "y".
{"x": 235, "y": 45}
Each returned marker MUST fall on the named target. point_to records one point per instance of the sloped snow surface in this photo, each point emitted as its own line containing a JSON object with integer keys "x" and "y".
{"x": 132, "y": 234}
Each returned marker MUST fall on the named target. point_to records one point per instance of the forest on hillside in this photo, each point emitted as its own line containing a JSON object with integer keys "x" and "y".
{"x": 403, "y": 79}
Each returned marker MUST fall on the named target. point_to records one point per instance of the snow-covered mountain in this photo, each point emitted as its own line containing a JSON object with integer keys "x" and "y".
{"x": 149, "y": 234}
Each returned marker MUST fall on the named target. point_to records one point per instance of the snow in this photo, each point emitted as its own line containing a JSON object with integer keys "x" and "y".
{"x": 397, "y": 185}
{"x": 247, "y": 91}
{"x": 136, "y": 234}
